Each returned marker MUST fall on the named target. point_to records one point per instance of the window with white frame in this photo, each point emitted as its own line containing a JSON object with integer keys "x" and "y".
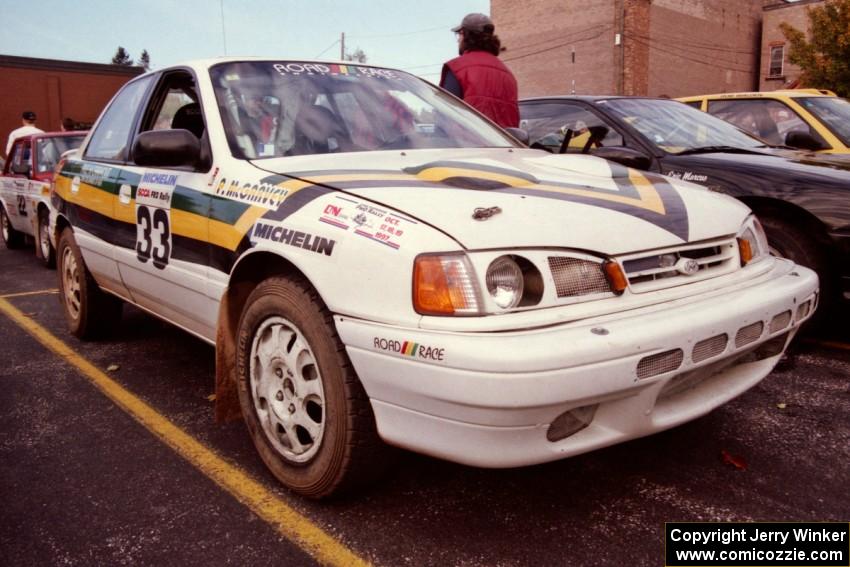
{"x": 777, "y": 55}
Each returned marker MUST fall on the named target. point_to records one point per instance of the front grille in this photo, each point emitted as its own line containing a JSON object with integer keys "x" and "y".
{"x": 659, "y": 270}
{"x": 780, "y": 321}
{"x": 660, "y": 363}
{"x": 709, "y": 348}
{"x": 574, "y": 277}
{"x": 749, "y": 334}
{"x": 803, "y": 310}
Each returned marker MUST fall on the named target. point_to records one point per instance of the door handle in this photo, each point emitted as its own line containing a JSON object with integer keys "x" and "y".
{"x": 125, "y": 192}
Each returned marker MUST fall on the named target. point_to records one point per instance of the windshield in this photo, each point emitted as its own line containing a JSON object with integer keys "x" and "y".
{"x": 676, "y": 127}
{"x": 51, "y": 149}
{"x": 284, "y": 108}
{"x": 832, "y": 111}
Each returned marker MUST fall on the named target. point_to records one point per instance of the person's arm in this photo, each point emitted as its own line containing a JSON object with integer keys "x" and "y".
{"x": 451, "y": 84}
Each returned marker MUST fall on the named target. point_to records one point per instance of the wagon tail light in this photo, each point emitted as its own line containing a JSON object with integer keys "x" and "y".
{"x": 445, "y": 285}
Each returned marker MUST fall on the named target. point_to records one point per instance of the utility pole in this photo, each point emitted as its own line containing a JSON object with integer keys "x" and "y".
{"x": 342, "y": 46}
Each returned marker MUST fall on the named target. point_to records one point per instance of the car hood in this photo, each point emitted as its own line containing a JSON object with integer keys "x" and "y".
{"x": 786, "y": 163}
{"x": 526, "y": 197}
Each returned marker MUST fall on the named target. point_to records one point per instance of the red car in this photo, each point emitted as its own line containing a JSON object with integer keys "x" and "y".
{"x": 25, "y": 209}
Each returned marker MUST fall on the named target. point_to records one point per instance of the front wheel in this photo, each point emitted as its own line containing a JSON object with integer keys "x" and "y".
{"x": 46, "y": 252}
{"x": 305, "y": 409}
{"x": 11, "y": 237}
{"x": 89, "y": 311}
{"x": 787, "y": 240}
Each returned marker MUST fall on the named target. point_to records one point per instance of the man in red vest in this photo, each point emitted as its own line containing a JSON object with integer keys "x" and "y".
{"x": 477, "y": 76}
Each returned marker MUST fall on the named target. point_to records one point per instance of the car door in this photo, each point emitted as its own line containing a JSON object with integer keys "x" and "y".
{"x": 165, "y": 267}
{"x": 16, "y": 185}
{"x": 86, "y": 189}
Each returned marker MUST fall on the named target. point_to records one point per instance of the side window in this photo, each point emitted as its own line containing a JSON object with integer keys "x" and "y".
{"x": 175, "y": 105}
{"x": 770, "y": 120}
{"x": 20, "y": 155}
{"x": 109, "y": 140}
{"x": 695, "y": 104}
{"x": 548, "y": 124}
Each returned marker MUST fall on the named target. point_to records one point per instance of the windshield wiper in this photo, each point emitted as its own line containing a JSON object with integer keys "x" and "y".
{"x": 722, "y": 149}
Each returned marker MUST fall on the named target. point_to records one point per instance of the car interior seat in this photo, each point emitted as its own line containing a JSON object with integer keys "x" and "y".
{"x": 189, "y": 117}
{"x": 319, "y": 131}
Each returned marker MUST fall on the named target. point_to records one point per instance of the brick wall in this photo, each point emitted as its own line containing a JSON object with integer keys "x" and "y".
{"x": 558, "y": 47}
{"x": 55, "y": 90}
{"x": 774, "y": 14}
{"x": 671, "y": 47}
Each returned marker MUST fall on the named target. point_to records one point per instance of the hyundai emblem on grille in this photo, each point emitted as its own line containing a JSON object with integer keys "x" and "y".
{"x": 687, "y": 266}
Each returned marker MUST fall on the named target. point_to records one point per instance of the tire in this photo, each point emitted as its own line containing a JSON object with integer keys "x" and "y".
{"x": 44, "y": 249}
{"x": 788, "y": 240}
{"x": 11, "y": 237}
{"x": 305, "y": 408}
{"x": 89, "y": 311}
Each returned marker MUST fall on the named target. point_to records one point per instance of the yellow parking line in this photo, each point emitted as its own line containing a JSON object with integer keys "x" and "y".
{"x": 26, "y": 293}
{"x": 290, "y": 523}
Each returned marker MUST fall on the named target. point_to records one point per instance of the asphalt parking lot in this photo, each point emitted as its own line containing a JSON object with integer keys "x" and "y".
{"x": 142, "y": 475}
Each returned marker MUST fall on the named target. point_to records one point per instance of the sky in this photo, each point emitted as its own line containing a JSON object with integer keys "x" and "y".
{"x": 413, "y": 35}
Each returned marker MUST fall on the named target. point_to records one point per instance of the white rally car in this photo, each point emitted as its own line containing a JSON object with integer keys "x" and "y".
{"x": 25, "y": 209}
{"x": 443, "y": 289}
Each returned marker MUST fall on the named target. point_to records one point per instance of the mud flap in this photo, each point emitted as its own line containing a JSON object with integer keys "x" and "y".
{"x": 226, "y": 395}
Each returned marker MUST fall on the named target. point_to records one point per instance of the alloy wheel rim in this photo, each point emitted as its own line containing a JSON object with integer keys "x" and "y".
{"x": 71, "y": 283}
{"x": 287, "y": 391}
{"x": 44, "y": 238}
{"x": 4, "y": 223}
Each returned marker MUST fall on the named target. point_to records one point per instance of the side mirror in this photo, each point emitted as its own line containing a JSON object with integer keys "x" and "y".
{"x": 21, "y": 169}
{"x": 624, "y": 156}
{"x": 167, "y": 148}
{"x": 518, "y": 133}
{"x": 802, "y": 140}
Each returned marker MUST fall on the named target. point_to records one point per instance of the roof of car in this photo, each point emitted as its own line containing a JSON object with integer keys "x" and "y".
{"x": 207, "y": 63}
{"x": 589, "y": 98}
{"x": 765, "y": 94}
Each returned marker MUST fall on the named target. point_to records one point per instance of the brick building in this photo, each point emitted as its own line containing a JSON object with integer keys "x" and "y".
{"x": 776, "y": 71}
{"x": 55, "y": 90}
{"x": 640, "y": 47}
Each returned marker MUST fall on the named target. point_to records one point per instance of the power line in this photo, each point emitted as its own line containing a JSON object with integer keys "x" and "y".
{"x": 728, "y": 66}
{"x": 560, "y": 45}
{"x": 400, "y": 34}
{"x": 326, "y": 49}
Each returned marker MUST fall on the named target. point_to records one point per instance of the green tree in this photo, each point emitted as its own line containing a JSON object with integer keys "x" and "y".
{"x": 121, "y": 57}
{"x": 145, "y": 60}
{"x": 825, "y": 58}
{"x": 357, "y": 55}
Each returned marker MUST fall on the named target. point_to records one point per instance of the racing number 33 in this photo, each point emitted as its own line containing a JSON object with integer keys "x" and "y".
{"x": 153, "y": 236}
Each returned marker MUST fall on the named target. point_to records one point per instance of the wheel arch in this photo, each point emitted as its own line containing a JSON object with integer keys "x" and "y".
{"x": 251, "y": 269}
{"x": 791, "y": 213}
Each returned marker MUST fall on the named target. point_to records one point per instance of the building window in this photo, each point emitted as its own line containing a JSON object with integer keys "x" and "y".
{"x": 777, "y": 55}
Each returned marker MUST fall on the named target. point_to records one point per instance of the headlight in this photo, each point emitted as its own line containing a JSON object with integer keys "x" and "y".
{"x": 504, "y": 282}
{"x": 445, "y": 285}
{"x": 752, "y": 242}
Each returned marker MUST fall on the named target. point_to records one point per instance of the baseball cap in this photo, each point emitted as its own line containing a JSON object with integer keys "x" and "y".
{"x": 475, "y": 23}
{"x": 28, "y": 115}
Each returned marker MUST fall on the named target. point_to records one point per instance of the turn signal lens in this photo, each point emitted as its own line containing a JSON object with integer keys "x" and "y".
{"x": 444, "y": 285}
{"x": 616, "y": 277}
{"x": 752, "y": 242}
{"x": 746, "y": 251}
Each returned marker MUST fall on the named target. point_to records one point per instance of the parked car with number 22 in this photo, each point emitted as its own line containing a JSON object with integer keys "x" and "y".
{"x": 369, "y": 280}
{"x": 25, "y": 209}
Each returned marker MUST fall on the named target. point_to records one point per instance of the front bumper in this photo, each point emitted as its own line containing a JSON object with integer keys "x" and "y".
{"x": 490, "y": 399}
